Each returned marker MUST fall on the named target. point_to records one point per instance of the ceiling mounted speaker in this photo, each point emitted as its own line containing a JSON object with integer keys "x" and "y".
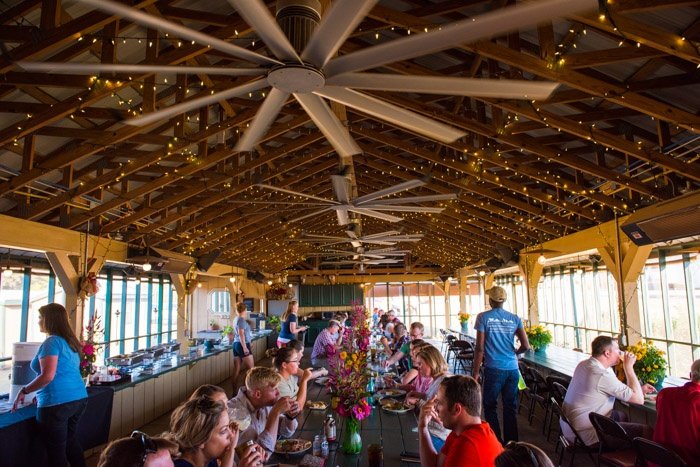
{"x": 205, "y": 262}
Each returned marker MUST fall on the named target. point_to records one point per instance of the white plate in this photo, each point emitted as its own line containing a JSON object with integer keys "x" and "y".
{"x": 307, "y": 446}
{"x": 404, "y": 410}
{"x": 391, "y": 392}
{"x": 310, "y": 407}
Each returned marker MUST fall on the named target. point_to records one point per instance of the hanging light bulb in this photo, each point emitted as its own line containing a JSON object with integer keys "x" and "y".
{"x": 7, "y": 272}
{"x": 269, "y": 282}
{"x": 541, "y": 259}
{"x": 232, "y": 279}
{"x": 482, "y": 273}
{"x": 199, "y": 285}
{"x": 146, "y": 266}
{"x": 290, "y": 285}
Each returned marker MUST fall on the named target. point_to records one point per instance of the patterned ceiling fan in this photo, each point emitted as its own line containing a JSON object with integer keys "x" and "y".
{"x": 304, "y": 64}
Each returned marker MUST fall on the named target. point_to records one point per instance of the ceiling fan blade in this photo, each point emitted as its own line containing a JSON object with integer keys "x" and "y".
{"x": 294, "y": 193}
{"x": 388, "y": 233}
{"x": 163, "y": 25}
{"x": 94, "y": 68}
{"x": 473, "y": 87}
{"x": 341, "y": 188}
{"x": 383, "y": 261}
{"x": 416, "y": 199}
{"x": 263, "y": 120}
{"x": 337, "y": 24}
{"x": 343, "y": 218}
{"x": 376, "y": 214}
{"x": 198, "y": 102}
{"x": 491, "y": 24}
{"x": 311, "y": 214}
{"x": 389, "y": 207}
{"x": 391, "y": 113}
{"x": 256, "y": 14}
{"x": 328, "y": 123}
{"x": 406, "y": 238}
{"x": 379, "y": 242}
{"x": 403, "y": 186}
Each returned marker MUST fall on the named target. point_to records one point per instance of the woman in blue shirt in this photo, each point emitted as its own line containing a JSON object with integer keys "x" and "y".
{"x": 290, "y": 330}
{"x": 242, "y": 335}
{"x": 61, "y": 394}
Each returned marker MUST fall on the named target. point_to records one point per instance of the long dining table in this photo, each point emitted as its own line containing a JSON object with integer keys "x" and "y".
{"x": 396, "y": 433}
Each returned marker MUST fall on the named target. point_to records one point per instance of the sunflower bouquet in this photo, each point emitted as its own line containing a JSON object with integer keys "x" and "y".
{"x": 463, "y": 317}
{"x": 650, "y": 366}
{"x": 538, "y": 336}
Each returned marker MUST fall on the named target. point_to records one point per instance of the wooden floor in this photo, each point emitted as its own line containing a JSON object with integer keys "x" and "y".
{"x": 532, "y": 434}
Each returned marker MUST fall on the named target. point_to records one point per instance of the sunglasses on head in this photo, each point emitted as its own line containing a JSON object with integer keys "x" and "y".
{"x": 148, "y": 445}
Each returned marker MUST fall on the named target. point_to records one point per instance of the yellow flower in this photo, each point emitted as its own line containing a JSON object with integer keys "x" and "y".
{"x": 343, "y": 355}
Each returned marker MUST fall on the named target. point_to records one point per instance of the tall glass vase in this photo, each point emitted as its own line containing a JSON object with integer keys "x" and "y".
{"x": 351, "y": 442}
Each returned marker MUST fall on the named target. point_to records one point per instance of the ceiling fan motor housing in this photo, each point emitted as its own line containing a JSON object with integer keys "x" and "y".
{"x": 298, "y": 20}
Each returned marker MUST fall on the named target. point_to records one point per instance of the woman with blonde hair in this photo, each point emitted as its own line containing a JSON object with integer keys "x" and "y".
{"x": 290, "y": 330}
{"x": 415, "y": 345}
{"x": 61, "y": 395}
{"x": 200, "y": 427}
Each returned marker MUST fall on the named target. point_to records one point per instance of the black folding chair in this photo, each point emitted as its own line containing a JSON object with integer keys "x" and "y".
{"x": 655, "y": 453}
{"x": 574, "y": 447}
{"x": 614, "y": 445}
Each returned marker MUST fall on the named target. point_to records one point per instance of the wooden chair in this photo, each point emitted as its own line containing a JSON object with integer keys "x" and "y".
{"x": 655, "y": 453}
{"x": 614, "y": 445}
{"x": 574, "y": 447}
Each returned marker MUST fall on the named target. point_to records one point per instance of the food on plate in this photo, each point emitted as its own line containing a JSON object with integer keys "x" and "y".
{"x": 393, "y": 404}
{"x": 292, "y": 445}
{"x": 316, "y": 405}
{"x": 393, "y": 392}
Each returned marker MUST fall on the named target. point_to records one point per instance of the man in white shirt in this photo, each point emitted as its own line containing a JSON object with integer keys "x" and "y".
{"x": 270, "y": 414}
{"x": 594, "y": 388}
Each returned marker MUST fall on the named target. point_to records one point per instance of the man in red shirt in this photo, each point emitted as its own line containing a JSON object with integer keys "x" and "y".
{"x": 678, "y": 418}
{"x": 457, "y": 406}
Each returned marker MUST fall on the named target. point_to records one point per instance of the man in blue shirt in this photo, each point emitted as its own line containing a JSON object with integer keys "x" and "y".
{"x": 495, "y": 348}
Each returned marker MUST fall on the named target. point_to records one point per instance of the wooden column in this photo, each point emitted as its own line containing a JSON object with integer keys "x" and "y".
{"x": 531, "y": 271}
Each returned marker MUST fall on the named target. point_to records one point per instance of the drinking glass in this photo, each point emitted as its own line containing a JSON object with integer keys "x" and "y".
{"x": 375, "y": 455}
{"x": 240, "y": 417}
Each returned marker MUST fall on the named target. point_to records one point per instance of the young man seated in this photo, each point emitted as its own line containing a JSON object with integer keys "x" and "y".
{"x": 327, "y": 343}
{"x": 270, "y": 414}
{"x": 457, "y": 406}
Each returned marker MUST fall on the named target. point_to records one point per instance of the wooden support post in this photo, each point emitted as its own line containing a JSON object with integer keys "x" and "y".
{"x": 531, "y": 270}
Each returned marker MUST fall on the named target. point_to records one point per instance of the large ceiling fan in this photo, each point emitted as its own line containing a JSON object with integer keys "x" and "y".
{"x": 369, "y": 204}
{"x": 306, "y": 67}
{"x": 358, "y": 253}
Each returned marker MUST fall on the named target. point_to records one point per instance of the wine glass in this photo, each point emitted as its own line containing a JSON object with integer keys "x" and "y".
{"x": 240, "y": 417}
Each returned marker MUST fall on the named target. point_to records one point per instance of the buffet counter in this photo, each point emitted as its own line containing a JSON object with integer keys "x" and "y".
{"x": 114, "y": 411}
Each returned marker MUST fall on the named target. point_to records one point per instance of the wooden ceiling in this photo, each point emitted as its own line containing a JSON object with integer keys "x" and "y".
{"x": 620, "y": 133}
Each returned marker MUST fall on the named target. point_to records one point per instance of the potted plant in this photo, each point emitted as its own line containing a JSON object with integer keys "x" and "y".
{"x": 650, "y": 366}
{"x": 273, "y": 323}
{"x": 228, "y": 332}
{"x": 539, "y": 337}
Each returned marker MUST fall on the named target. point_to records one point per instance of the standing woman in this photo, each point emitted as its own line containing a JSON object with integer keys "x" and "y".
{"x": 242, "y": 336}
{"x": 290, "y": 330}
{"x": 61, "y": 396}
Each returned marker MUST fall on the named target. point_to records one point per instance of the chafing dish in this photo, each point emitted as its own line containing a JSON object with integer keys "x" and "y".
{"x": 125, "y": 360}
{"x": 172, "y": 346}
{"x": 154, "y": 352}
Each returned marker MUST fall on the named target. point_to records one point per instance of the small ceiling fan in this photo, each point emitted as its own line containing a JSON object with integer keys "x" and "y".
{"x": 369, "y": 204}
{"x": 388, "y": 238}
{"x": 305, "y": 65}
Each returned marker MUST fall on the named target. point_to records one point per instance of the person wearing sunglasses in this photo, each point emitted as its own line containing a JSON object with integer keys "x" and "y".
{"x": 519, "y": 454}
{"x": 203, "y": 433}
{"x": 138, "y": 450}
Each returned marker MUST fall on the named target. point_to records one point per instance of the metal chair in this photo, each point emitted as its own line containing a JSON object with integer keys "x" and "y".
{"x": 655, "y": 453}
{"x": 529, "y": 383}
{"x": 558, "y": 395}
{"x": 443, "y": 344}
{"x": 567, "y": 446}
{"x": 539, "y": 394}
{"x": 450, "y": 348}
{"x": 558, "y": 392}
{"x": 464, "y": 356}
{"x": 614, "y": 445}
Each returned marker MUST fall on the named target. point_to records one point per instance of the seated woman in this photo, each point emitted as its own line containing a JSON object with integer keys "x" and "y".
{"x": 400, "y": 338}
{"x": 414, "y": 346}
{"x": 211, "y": 391}
{"x": 430, "y": 364}
{"x": 138, "y": 450}
{"x": 200, "y": 427}
{"x": 287, "y": 365}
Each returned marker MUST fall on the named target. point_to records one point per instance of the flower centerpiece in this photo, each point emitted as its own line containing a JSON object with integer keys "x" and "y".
{"x": 538, "y": 336}
{"x": 90, "y": 346}
{"x": 348, "y": 378}
{"x": 464, "y": 320}
{"x": 650, "y": 366}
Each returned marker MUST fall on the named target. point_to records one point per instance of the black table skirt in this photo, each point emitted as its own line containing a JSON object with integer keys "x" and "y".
{"x": 22, "y": 446}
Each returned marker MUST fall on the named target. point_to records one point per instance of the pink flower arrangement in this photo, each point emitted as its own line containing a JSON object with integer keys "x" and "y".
{"x": 89, "y": 346}
{"x": 348, "y": 376}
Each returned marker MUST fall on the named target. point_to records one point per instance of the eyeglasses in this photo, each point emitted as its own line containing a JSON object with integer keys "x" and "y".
{"x": 515, "y": 446}
{"x": 149, "y": 447}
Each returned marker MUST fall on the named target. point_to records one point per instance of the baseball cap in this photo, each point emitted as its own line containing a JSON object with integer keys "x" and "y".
{"x": 497, "y": 294}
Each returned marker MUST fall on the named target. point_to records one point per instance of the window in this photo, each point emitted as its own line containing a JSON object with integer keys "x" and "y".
{"x": 669, "y": 296}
